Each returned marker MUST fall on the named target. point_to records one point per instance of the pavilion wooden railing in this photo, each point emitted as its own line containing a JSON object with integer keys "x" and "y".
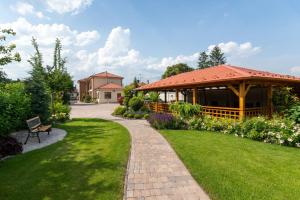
{"x": 221, "y": 112}
{"x": 218, "y": 112}
{"x": 158, "y": 107}
{"x": 257, "y": 111}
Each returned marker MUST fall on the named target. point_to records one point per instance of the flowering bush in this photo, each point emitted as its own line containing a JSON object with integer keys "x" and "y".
{"x": 62, "y": 112}
{"x": 165, "y": 121}
{"x": 278, "y": 130}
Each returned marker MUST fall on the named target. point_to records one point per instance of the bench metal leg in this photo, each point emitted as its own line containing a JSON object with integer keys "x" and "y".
{"x": 38, "y": 136}
{"x": 27, "y": 138}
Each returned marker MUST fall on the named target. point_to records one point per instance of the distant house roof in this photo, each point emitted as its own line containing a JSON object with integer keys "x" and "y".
{"x": 102, "y": 75}
{"x": 217, "y": 74}
{"x": 110, "y": 86}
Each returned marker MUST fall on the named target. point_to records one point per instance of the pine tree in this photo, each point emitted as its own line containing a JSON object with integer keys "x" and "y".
{"x": 203, "y": 61}
{"x": 36, "y": 85}
{"x": 217, "y": 57}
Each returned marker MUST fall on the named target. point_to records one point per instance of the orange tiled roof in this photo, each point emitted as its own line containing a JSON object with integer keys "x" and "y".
{"x": 110, "y": 86}
{"x": 107, "y": 74}
{"x": 102, "y": 75}
{"x": 220, "y": 73}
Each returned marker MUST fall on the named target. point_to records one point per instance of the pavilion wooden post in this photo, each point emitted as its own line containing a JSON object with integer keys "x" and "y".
{"x": 195, "y": 95}
{"x": 177, "y": 95}
{"x": 242, "y": 100}
{"x": 269, "y": 100}
{"x": 166, "y": 100}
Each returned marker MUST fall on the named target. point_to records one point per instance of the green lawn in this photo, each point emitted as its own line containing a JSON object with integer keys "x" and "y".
{"x": 90, "y": 163}
{"x": 228, "y": 167}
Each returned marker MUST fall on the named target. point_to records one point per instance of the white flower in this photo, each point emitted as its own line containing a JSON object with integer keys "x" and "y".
{"x": 278, "y": 135}
{"x": 290, "y": 139}
{"x": 236, "y": 135}
{"x": 281, "y": 141}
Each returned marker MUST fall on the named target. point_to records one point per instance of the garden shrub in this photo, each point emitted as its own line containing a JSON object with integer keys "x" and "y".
{"x": 62, "y": 112}
{"x": 146, "y": 116}
{"x": 15, "y": 107}
{"x": 185, "y": 110}
{"x": 87, "y": 99}
{"x": 283, "y": 99}
{"x": 165, "y": 121}
{"x": 138, "y": 116}
{"x": 294, "y": 113}
{"x": 136, "y": 103}
{"x": 120, "y": 110}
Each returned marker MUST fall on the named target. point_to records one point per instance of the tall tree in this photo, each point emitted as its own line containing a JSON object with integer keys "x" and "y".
{"x": 217, "y": 56}
{"x": 203, "y": 61}
{"x": 7, "y": 53}
{"x": 58, "y": 79}
{"x": 176, "y": 69}
{"x": 36, "y": 85}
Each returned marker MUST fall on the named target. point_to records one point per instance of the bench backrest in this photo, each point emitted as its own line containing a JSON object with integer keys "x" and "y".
{"x": 33, "y": 123}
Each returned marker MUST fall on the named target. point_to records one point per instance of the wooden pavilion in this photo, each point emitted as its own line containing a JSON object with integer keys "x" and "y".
{"x": 224, "y": 90}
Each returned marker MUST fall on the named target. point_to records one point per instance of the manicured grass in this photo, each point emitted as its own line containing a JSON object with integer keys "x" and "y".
{"x": 90, "y": 163}
{"x": 228, "y": 167}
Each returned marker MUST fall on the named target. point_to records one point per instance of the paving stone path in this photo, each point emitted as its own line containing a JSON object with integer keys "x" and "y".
{"x": 154, "y": 170}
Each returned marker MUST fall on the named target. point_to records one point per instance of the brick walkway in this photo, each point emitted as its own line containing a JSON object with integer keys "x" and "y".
{"x": 154, "y": 170}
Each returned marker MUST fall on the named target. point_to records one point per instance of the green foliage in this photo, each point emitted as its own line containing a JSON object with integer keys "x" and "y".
{"x": 7, "y": 50}
{"x": 58, "y": 79}
{"x": 185, "y": 110}
{"x": 120, "y": 110}
{"x": 36, "y": 86}
{"x": 283, "y": 99}
{"x": 14, "y": 106}
{"x": 138, "y": 116}
{"x": 62, "y": 112}
{"x": 216, "y": 57}
{"x": 128, "y": 93}
{"x": 146, "y": 116}
{"x": 203, "y": 60}
{"x": 88, "y": 99}
{"x": 153, "y": 96}
{"x": 294, "y": 113}
{"x": 176, "y": 69}
{"x": 136, "y": 103}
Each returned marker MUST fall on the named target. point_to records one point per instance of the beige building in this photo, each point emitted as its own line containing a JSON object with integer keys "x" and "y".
{"x": 103, "y": 87}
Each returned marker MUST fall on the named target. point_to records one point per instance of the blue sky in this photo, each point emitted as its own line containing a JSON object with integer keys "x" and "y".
{"x": 141, "y": 37}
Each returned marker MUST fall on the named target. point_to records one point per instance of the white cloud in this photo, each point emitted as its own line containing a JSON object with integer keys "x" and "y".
{"x": 295, "y": 70}
{"x": 68, "y": 6}
{"x": 237, "y": 50}
{"x": 24, "y": 8}
{"x": 85, "y": 38}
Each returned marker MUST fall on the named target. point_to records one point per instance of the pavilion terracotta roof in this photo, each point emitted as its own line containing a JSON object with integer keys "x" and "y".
{"x": 216, "y": 74}
{"x": 110, "y": 86}
{"x": 102, "y": 75}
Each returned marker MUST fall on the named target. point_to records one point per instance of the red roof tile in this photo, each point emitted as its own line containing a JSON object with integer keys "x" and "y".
{"x": 220, "y": 73}
{"x": 107, "y": 74}
{"x": 110, "y": 86}
{"x": 102, "y": 75}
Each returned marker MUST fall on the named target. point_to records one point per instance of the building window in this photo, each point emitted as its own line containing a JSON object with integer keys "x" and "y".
{"x": 107, "y": 95}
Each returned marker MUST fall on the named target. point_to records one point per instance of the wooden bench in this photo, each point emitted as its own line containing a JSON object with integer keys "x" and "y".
{"x": 35, "y": 127}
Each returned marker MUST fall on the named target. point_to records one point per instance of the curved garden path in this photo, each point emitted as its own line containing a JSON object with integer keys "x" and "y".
{"x": 154, "y": 170}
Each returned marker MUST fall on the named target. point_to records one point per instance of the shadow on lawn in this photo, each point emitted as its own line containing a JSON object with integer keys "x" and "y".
{"x": 88, "y": 164}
